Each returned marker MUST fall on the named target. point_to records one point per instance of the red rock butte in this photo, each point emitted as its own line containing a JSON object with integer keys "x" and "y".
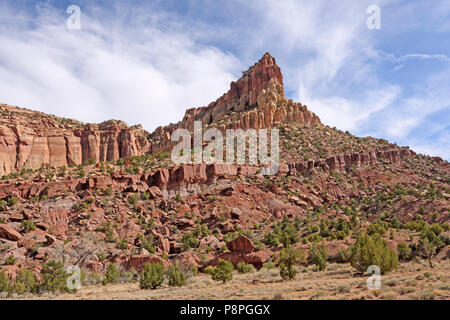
{"x": 30, "y": 139}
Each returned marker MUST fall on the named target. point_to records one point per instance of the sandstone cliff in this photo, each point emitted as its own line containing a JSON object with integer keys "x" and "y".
{"x": 255, "y": 101}
{"x": 29, "y": 139}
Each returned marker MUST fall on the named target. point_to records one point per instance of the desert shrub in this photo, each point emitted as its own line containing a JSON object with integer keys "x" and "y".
{"x": 112, "y": 275}
{"x": 11, "y": 260}
{"x": 378, "y": 228}
{"x": 223, "y": 271}
{"x": 81, "y": 173}
{"x": 28, "y": 225}
{"x": 243, "y": 267}
{"x": 146, "y": 243}
{"x": 12, "y": 201}
{"x": 122, "y": 244}
{"x": 445, "y": 239}
{"x": 324, "y": 230}
{"x": 152, "y": 276}
{"x": 132, "y": 199}
{"x": 189, "y": 240}
{"x": 109, "y": 191}
{"x": 209, "y": 270}
{"x": 432, "y": 235}
{"x": 284, "y": 232}
{"x": 201, "y": 230}
{"x": 271, "y": 239}
{"x": 372, "y": 250}
{"x": 194, "y": 269}
{"x": 318, "y": 255}
{"x": 269, "y": 265}
{"x": 426, "y": 249}
{"x": 4, "y": 282}
{"x": 404, "y": 251}
{"x": 128, "y": 276}
{"x": 289, "y": 258}
{"x": 396, "y": 224}
{"x": 25, "y": 282}
{"x": 54, "y": 277}
{"x": 343, "y": 255}
{"x": 176, "y": 276}
{"x": 145, "y": 195}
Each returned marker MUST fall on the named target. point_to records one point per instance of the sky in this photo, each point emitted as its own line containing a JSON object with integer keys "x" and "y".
{"x": 146, "y": 62}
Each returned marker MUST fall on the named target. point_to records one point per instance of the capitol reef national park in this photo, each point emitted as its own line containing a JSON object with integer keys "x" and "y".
{"x": 235, "y": 150}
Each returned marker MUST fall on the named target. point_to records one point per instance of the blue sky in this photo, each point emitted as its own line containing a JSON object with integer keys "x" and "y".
{"x": 147, "y": 61}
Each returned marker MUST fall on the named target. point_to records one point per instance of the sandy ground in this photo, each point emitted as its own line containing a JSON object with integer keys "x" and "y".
{"x": 413, "y": 280}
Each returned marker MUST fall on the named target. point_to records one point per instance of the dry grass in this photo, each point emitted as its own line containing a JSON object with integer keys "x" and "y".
{"x": 338, "y": 281}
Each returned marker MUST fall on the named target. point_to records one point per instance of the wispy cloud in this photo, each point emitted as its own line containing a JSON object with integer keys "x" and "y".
{"x": 392, "y": 57}
{"x": 148, "y": 61}
{"x": 139, "y": 73}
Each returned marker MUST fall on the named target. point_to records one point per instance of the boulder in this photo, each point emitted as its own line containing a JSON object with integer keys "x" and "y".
{"x": 8, "y": 232}
{"x": 241, "y": 244}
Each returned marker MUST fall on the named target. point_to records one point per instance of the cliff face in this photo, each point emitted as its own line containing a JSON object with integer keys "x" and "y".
{"x": 255, "y": 101}
{"x": 30, "y": 139}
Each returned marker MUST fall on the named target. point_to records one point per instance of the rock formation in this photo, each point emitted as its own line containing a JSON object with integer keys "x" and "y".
{"x": 29, "y": 139}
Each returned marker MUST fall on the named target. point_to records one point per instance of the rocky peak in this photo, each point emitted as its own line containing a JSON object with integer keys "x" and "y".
{"x": 255, "y": 101}
{"x": 31, "y": 139}
{"x": 242, "y": 95}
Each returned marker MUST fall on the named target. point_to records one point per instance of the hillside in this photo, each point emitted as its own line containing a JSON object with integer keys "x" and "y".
{"x": 95, "y": 194}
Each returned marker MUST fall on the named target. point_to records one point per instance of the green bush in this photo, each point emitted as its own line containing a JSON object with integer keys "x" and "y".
{"x": 210, "y": 270}
{"x": 112, "y": 275}
{"x": 243, "y": 267}
{"x": 194, "y": 269}
{"x": 271, "y": 239}
{"x": 269, "y": 265}
{"x": 289, "y": 258}
{"x": 28, "y": 225}
{"x": 4, "y": 282}
{"x": 176, "y": 276}
{"x": 404, "y": 252}
{"x": 54, "y": 278}
{"x": 25, "y": 282}
{"x": 343, "y": 255}
{"x": 146, "y": 243}
{"x": 372, "y": 250}
{"x": 122, "y": 244}
{"x": 12, "y": 201}
{"x": 318, "y": 255}
{"x": 11, "y": 260}
{"x": 152, "y": 276}
{"x": 132, "y": 199}
{"x": 223, "y": 271}
{"x": 378, "y": 228}
{"x": 284, "y": 232}
{"x": 189, "y": 240}
{"x": 426, "y": 249}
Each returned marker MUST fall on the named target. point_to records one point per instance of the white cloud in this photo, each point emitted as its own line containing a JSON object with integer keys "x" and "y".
{"x": 422, "y": 56}
{"x": 139, "y": 74}
{"x": 152, "y": 67}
